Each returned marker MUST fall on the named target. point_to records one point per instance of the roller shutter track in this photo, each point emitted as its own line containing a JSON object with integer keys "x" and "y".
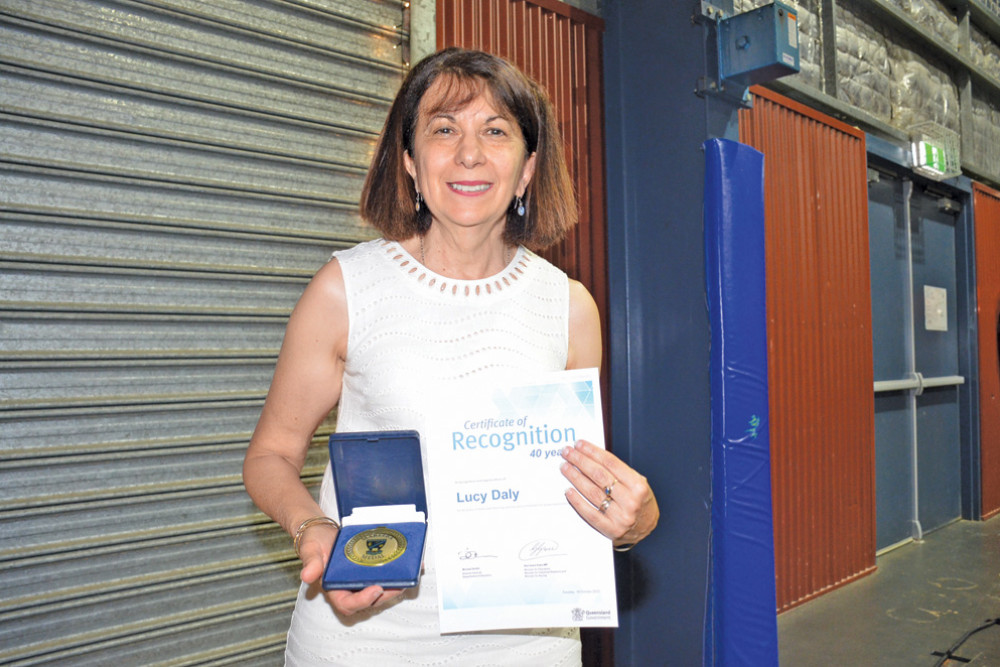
{"x": 171, "y": 174}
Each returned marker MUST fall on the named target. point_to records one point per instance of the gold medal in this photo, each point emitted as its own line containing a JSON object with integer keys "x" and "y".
{"x": 375, "y": 546}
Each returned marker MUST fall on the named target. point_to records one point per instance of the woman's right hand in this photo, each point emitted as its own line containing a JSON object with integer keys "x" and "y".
{"x": 349, "y": 602}
{"x": 314, "y": 550}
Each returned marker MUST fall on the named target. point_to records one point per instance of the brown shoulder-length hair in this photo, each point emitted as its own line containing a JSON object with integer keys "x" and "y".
{"x": 388, "y": 196}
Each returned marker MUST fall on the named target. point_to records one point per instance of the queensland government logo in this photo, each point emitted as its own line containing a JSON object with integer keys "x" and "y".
{"x": 590, "y": 615}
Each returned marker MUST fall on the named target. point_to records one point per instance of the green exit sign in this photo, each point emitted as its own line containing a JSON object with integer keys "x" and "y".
{"x": 929, "y": 156}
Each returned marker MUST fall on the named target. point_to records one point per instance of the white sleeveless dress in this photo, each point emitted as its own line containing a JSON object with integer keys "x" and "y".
{"x": 412, "y": 332}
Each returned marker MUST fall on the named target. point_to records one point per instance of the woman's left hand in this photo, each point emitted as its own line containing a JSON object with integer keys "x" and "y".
{"x": 609, "y": 495}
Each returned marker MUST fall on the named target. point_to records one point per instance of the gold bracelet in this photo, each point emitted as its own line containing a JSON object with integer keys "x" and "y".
{"x": 310, "y": 522}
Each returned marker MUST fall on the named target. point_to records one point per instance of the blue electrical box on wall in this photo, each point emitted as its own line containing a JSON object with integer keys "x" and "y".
{"x": 759, "y": 45}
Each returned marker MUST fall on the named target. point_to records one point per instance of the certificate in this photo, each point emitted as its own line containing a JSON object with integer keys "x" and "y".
{"x": 510, "y": 551}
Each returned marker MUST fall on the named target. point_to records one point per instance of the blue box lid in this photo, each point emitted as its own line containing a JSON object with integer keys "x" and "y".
{"x": 374, "y": 468}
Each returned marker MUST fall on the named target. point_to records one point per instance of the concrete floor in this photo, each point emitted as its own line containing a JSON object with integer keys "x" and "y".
{"x": 922, "y": 599}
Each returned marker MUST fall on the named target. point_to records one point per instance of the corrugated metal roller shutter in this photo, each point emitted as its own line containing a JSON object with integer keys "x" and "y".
{"x": 171, "y": 174}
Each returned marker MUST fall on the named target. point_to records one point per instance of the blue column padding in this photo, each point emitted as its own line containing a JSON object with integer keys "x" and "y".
{"x": 741, "y": 621}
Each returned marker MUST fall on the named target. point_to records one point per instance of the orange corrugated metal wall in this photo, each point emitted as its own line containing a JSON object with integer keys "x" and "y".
{"x": 560, "y": 47}
{"x": 987, "y": 210}
{"x": 819, "y": 345}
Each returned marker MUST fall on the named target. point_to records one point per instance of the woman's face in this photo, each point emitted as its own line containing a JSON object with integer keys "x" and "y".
{"x": 468, "y": 163}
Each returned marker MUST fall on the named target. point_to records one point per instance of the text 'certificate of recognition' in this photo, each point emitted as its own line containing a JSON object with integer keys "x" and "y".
{"x": 510, "y": 550}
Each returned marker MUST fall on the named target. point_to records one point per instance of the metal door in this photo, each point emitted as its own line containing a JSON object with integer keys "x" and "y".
{"x": 912, "y": 236}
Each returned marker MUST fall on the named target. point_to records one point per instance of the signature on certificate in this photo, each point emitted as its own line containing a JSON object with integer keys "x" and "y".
{"x": 539, "y": 549}
{"x": 472, "y": 554}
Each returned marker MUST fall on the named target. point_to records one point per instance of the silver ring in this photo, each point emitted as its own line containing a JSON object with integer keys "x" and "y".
{"x": 604, "y": 505}
{"x": 611, "y": 487}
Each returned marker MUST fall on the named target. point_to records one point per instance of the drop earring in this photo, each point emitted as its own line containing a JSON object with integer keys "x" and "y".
{"x": 418, "y": 202}
{"x": 519, "y": 206}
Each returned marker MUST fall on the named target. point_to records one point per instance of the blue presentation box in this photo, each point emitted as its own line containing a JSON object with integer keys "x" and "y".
{"x": 383, "y": 510}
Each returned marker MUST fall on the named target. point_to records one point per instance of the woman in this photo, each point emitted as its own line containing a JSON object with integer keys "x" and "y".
{"x": 468, "y": 178}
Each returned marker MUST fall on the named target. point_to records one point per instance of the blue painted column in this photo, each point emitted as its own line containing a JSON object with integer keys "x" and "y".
{"x": 659, "y": 326}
